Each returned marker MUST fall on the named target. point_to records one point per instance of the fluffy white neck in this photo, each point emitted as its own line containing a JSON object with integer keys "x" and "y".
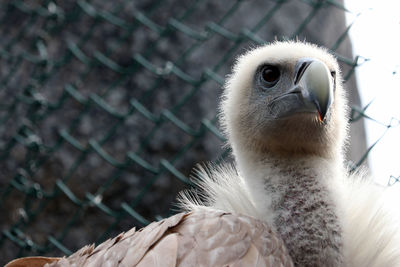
{"x": 259, "y": 171}
{"x": 299, "y": 196}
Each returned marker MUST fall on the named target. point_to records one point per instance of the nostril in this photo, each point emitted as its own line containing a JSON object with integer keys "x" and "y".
{"x": 301, "y": 67}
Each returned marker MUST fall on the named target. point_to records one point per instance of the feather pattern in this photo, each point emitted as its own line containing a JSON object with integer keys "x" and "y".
{"x": 205, "y": 237}
{"x": 369, "y": 216}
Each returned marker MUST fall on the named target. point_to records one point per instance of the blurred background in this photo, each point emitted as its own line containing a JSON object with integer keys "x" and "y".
{"x": 106, "y": 106}
{"x": 375, "y": 34}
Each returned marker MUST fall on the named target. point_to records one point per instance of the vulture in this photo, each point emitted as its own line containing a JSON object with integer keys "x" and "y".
{"x": 288, "y": 199}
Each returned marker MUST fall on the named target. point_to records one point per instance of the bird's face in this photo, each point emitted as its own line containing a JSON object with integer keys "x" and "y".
{"x": 285, "y": 97}
{"x": 290, "y": 88}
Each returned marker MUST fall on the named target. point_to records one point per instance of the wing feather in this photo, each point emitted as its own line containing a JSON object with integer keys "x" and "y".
{"x": 203, "y": 237}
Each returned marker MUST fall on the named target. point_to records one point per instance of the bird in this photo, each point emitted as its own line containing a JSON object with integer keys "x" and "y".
{"x": 288, "y": 198}
{"x": 284, "y": 111}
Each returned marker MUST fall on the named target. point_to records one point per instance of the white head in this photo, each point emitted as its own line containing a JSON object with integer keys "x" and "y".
{"x": 285, "y": 98}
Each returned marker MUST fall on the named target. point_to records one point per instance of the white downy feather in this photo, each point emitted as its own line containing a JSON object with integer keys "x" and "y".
{"x": 371, "y": 218}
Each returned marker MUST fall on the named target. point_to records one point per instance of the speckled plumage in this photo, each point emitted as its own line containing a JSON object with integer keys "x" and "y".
{"x": 306, "y": 215}
{"x": 302, "y": 208}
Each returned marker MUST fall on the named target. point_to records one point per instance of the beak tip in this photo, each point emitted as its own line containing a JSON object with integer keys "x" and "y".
{"x": 322, "y": 117}
{"x": 321, "y": 113}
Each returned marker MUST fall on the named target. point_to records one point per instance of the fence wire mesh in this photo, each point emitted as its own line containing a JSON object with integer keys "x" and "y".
{"x": 106, "y": 106}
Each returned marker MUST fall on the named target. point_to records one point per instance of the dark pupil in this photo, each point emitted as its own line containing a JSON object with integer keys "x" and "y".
{"x": 270, "y": 74}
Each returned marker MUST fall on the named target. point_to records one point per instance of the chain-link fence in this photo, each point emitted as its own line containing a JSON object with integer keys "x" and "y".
{"x": 106, "y": 106}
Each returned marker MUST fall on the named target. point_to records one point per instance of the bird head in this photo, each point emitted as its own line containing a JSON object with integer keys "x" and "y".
{"x": 286, "y": 97}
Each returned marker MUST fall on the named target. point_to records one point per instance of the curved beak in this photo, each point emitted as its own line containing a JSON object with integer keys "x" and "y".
{"x": 316, "y": 85}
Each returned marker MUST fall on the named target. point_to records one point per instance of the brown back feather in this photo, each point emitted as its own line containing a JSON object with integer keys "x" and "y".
{"x": 204, "y": 237}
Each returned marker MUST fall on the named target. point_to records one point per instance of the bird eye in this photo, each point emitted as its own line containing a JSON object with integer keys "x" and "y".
{"x": 270, "y": 75}
{"x": 333, "y": 74}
